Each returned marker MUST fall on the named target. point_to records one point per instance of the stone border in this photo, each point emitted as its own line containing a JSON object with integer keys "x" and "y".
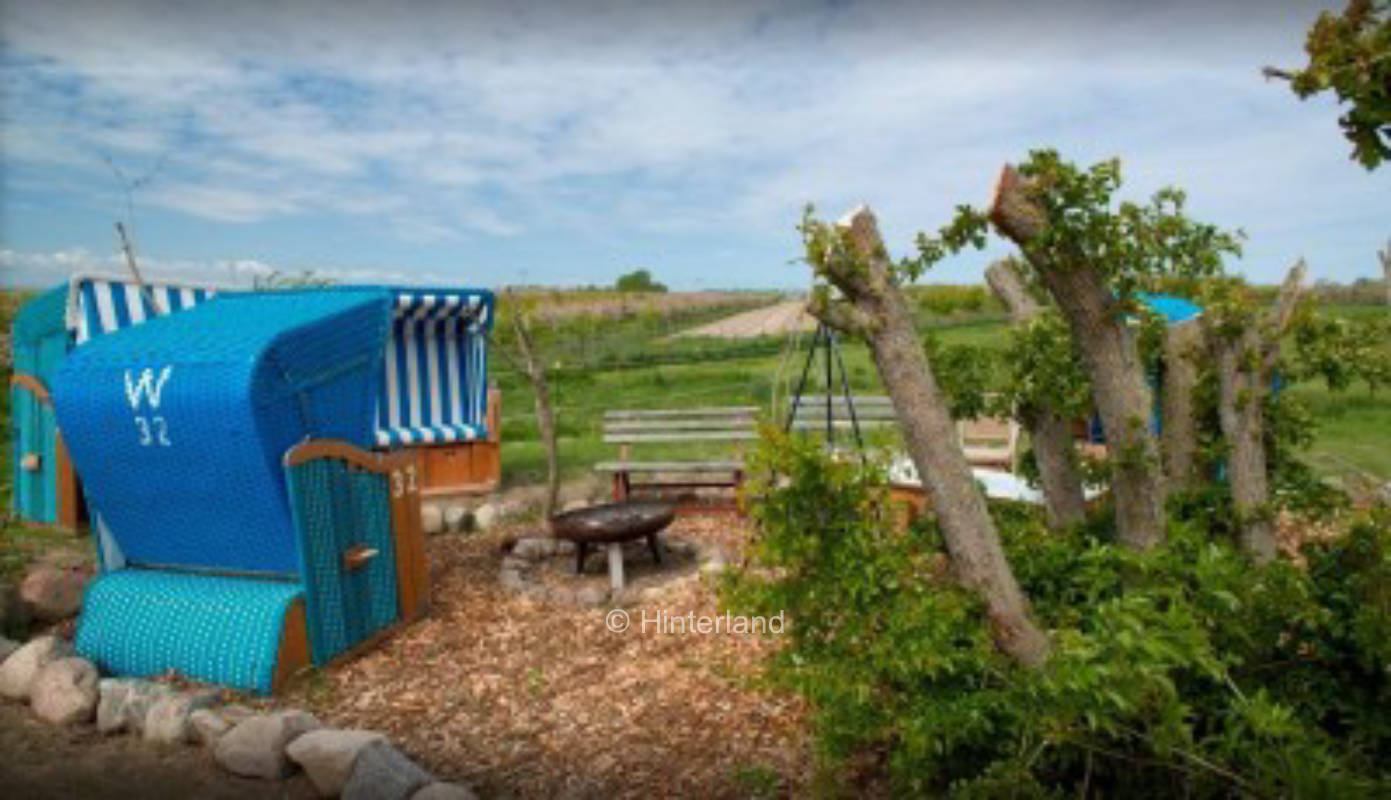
{"x": 516, "y": 574}
{"x": 64, "y": 689}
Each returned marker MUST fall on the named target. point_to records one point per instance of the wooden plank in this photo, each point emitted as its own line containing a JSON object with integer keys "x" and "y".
{"x": 68, "y": 501}
{"x": 840, "y": 424}
{"x": 839, "y": 399}
{"x": 634, "y": 426}
{"x": 412, "y": 573}
{"x": 293, "y": 655}
{"x": 688, "y": 436}
{"x": 34, "y": 385}
{"x": 668, "y": 466}
{"x": 860, "y": 413}
{"x": 659, "y": 413}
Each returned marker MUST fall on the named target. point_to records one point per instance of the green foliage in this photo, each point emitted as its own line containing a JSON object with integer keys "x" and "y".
{"x": 944, "y": 299}
{"x": 639, "y": 280}
{"x": 1341, "y": 351}
{"x": 966, "y": 373}
{"x": 1043, "y": 368}
{"x": 1132, "y": 244}
{"x": 1350, "y": 55}
{"x": 1181, "y": 671}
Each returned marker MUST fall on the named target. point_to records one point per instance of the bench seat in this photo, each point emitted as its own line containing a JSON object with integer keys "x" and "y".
{"x": 731, "y": 426}
{"x": 669, "y": 466}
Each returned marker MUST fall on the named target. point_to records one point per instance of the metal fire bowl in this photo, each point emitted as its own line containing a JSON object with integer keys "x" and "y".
{"x": 613, "y": 522}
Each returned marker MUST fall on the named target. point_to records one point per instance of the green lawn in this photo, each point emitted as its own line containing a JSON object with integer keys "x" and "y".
{"x": 1354, "y": 435}
{"x": 633, "y": 363}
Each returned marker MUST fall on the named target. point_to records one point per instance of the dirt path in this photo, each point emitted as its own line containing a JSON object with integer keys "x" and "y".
{"x": 39, "y": 761}
{"x": 774, "y": 320}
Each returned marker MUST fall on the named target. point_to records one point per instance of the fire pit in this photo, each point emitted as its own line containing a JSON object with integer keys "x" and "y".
{"x": 612, "y": 524}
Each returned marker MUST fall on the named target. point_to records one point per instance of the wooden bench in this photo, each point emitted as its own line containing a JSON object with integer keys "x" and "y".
{"x": 628, "y": 428}
{"x": 871, "y": 411}
{"x": 986, "y": 441}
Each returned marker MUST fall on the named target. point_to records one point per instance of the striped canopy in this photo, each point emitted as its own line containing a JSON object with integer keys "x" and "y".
{"x": 435, "y": 373}
{"x": 98, "y": 305}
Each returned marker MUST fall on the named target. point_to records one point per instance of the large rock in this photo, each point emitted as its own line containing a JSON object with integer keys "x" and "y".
{"x": 444, "y": 791}
{"x": 118, "y": 695}
{"x": 534, "y": 548}
{"x": 457, "y": 519}
{"x": 21, "y": 669}
{"x": 383, "y": 773}
{"x": 432, "y": 519}
{"x": 53, "y": 593}
{"x": 65, "y": 691}
{"x": 486, "y": 516}
{"x": 327, "y": 756}
{"x": 7, "y": 648}
{"x": 167, "y": 721}
{"x": 255, "y": 748}
{"x": 126, "y": 702}
{"x": 208, "y": 726}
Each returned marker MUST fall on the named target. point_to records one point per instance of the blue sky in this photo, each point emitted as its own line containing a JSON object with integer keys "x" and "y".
{"x": 565, "y": 143}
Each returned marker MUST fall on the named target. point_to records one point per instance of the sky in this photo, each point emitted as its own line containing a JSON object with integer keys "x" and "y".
{"x": 566, "y": 143}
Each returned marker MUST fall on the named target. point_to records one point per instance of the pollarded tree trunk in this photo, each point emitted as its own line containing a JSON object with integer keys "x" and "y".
{"x": 1055, "y": 452}
{"x": 1179, "y": 436}
{"x": 1049, "y": 431}
{"x": 1245, "y": 364}
{"x": 1240, "y": 410}
{"x": 875, "y": 309}
{"x": 1112, "y": 359}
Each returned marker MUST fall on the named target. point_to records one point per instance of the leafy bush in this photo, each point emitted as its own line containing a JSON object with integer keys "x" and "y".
{"x": 1181, "y": 671}
{"x": 639, "y": 280}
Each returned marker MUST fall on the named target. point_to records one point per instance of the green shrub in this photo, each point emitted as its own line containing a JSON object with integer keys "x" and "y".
{"x": 1184, "y": 671}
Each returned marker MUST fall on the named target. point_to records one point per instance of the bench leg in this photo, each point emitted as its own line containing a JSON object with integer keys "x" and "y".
{"x": 621, "y": 487}
{"x": 581, "y": 550}
{"x": 738, "y": 485}
{"x": 616, "y": 566}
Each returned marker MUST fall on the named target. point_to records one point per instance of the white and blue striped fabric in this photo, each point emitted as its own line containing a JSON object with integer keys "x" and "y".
{"x": 435, "y": 370}
{"x": 98, "y": 305}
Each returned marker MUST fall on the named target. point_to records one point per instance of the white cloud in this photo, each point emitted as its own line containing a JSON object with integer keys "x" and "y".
{"x": 452, "y": 121}
{"x": 38, "y": 269}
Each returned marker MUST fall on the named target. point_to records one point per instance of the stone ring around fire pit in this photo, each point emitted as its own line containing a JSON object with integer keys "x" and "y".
{"x": 612, "y": 524}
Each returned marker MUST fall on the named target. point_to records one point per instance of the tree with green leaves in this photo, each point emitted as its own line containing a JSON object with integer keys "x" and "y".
{"x": 1244, "y": 341}
{"x": 1046, "y": 389}
{"x": 1094, "y": 257}
{"x": 639, "y": 280}
{"x": 850, "y": 257}
{"x": 1350, "y": 55}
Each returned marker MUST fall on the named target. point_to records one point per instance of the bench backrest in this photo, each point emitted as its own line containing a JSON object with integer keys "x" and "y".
{"x": 871, "y": 411}
{"x": 707, "y": 424}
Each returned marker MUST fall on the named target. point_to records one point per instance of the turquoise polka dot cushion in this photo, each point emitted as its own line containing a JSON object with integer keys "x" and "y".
{"x": 213, "y": 628}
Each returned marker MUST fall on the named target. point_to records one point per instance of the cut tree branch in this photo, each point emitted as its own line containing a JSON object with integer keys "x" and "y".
{"x": 1108, "y": 350}
{"x": 1049, "y": 431}
{"x": 862, "y": 274}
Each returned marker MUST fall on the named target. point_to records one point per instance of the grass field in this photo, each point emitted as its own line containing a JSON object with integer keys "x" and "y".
{"x": 622, "y": 366}
{"x": 630, "y": 360}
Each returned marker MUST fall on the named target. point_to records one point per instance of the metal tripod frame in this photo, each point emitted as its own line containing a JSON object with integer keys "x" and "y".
{"x": 827, "y": 337}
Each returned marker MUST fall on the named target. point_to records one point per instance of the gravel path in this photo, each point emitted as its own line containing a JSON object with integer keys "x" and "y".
{"x": 774, "y": 320}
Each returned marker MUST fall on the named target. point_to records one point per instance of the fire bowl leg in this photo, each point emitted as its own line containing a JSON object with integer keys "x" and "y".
{"x": 616, "y": 566}
{"x": 658, "y": 547}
